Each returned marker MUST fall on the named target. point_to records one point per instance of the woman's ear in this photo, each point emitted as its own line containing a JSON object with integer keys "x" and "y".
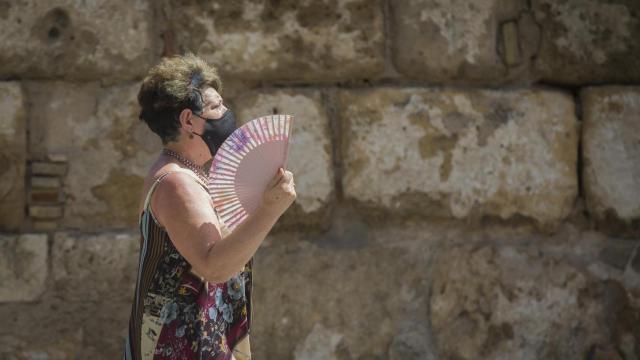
{"x": 185, "y": 120}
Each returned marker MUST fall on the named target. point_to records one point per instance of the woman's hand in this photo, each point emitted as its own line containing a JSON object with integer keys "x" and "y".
{"x": 280, "y": 193}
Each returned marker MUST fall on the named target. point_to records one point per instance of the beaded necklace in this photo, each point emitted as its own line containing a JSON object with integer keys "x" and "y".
{"x": 197, "y": 169}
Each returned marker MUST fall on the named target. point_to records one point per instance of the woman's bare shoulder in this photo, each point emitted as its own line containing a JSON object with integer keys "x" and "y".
{"x": 156, "y": 170}
{"x": 179, "y": 194}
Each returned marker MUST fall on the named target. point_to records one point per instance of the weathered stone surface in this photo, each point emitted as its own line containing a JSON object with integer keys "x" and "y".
{"x": 44, "y": 225}
{"x": 320, "y": 344}
{"x": 23, "y": 267}
{"x": 377, "y": 294}
{"x": 310, "y": 157}
{"x": 617, "y": 253}
{"x": 413, "y": 342}
{"x": 75, "y": 40}
{"x": 48, "y": 168}
{"x": 13, "y": 148}
{"x": 611, "y": 151}
{"x": 64, "y": 106}
{"x": 283, "y": 40}
{"x": 441, "y": 40}
{"x": 338, "y": 298}
{"x": 511, "y": 303}
{"x": 67, "y": 330}
{"x": 94, "y": 267}
{"x": 108, "y": 149}
{"x": 438, "y": 291}
{"x": 45, "y": 211}
{"x": 588, "y": 41}
{"x": 461, "y": 153}
{"x": 44, "y": 196}
{"x": 45, "y": 182}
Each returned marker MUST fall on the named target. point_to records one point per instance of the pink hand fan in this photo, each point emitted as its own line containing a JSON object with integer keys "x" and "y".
{"x": 245, "y": 163}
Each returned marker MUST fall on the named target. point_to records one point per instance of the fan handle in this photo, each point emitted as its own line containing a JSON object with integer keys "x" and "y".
{"x": 288, "y": 147}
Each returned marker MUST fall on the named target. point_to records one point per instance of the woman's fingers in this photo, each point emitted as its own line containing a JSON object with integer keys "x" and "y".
{"x": 281, "y": 191}
{"x": 285, "y": 179}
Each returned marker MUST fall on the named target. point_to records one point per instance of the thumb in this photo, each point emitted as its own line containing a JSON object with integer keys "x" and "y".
{"x": 276, "y": 179}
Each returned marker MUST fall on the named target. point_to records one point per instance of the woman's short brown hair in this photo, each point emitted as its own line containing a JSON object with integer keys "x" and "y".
{"x": 171, "y": 86}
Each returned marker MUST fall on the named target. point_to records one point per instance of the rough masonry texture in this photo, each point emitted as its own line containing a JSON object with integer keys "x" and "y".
{"x": 108, "y": 149}
{"x": 110, "y": 256}
{"x": 496, "y": 41}
{"x": 588, "y": 41}
{"x": 13, "y": 155}
{"x": 485, "y": 303}
{"x": 468, "y": 173}
{"x": 611, "y": 151}
{"x": 427, "y": 46}
{"x": 23, "y": 267}
{"x": 524, "y": 299}
{"x": 461, "y": 153}
{"x": 283, "y": 40}
{"x": 106, "y": 41}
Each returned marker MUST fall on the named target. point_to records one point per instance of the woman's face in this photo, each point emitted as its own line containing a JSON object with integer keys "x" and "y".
{"x": 213, "y": 105}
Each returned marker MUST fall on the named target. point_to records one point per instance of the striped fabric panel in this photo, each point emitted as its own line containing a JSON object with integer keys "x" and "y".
{"x": 152, "y": 242}
{"x": 152, "y": 247}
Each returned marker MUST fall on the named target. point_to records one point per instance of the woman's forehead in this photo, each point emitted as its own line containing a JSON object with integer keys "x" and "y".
{"x": 210, "y": 95}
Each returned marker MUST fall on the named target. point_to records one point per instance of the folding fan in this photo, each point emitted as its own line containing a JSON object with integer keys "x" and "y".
{"x": 245, "y": 163}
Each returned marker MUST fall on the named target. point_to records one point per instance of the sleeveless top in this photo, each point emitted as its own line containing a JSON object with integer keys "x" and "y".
{"x": 178, "y": 315}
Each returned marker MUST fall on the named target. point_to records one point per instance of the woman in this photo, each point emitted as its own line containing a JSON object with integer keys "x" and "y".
{"x": 193, "y": 292}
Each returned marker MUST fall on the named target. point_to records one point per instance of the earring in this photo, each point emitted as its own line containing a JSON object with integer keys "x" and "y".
{"x": 191, "y": 135}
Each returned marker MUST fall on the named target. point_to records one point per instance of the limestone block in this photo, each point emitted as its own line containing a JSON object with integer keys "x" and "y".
{"x": 328, "y": 300}
{"x": 68, "y": 330}
{"x": 310, "y": 157}
{"x": 412, "y": 342}
{"x": 611, "y": 151}
{"x": 45, "y": 211}
{"x": 97, "y": 267}
{"x": 44, "y": 196}
{"x": 48, "y": 168}
{"x": 461, "y": 153}
{"x": 23, "y": 267}
{"x": 516, "y": 303}
{"x": 75, "y": 40}
{"x": 284, "y": 40}
{"x": 45, "y": 182}
{"x": 64, "y": 105}
{"x": 44, "y": 225}
{"x": 108, "y": 149}
{"x": 437, "y": 291}
{"x": 443, "y": 41}
{"x": 588, "y": 41}
{"x": 13, "y": 146}
{"x": 320, "y": 343}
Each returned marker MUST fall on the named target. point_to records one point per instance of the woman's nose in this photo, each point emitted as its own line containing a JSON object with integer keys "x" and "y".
{"x": 223, "y": 109}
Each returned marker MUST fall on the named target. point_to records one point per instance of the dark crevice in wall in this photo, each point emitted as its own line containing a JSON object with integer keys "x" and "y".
{"x": 579, "y": 162}
{"x": 335, "y": 128}
{"x": 387, "y": 18}
{"x": 404, "y": 84}
{"x": 27, "y": 164}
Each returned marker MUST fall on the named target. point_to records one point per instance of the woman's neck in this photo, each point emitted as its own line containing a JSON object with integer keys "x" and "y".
{"x": 189, "y": 152}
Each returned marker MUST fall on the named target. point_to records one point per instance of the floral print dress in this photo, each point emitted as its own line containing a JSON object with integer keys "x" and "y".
{"x": 178, "y": 315}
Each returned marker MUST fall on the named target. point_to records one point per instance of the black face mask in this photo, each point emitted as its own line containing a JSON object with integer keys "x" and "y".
{"x": 216, "y": 131}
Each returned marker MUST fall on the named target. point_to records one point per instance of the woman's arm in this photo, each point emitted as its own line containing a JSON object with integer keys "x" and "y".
{"x": 186, "y": 211}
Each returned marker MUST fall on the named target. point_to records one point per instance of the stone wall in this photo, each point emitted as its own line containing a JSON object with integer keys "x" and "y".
{"x": 468, "y": 173}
